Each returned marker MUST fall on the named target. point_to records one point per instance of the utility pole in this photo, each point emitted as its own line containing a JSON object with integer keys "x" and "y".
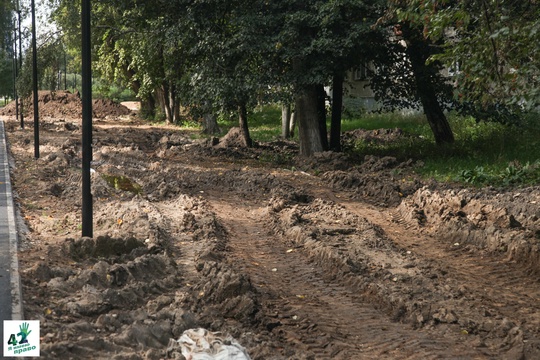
{"x": 15, "y": 72}
{"x": 35, "y": 82}
{"x": 87, "y": 221}
{"x": 65, "y": 70}
{"x": 20, "y": 59}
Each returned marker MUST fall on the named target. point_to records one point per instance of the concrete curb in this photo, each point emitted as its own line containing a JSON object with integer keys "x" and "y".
{"x": 15, "y": 281}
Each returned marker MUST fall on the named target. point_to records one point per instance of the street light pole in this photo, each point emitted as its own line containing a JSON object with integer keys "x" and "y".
{"x": 15, "y": 73}
{"x": 35, "y": 82}
{"x": 87, "y": 226}
{"x": 20, "y": 60}
{"x": 65, "y": 69}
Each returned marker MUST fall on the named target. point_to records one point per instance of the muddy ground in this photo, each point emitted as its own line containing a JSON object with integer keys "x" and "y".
{"x": 327, "y": 258}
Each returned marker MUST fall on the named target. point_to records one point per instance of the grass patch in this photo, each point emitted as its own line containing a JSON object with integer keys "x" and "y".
{"x": 483, "y": 153}
{"x": 489, "y": 154}
{"x": 414, "y": 123}
{"x": 264, "y": 122}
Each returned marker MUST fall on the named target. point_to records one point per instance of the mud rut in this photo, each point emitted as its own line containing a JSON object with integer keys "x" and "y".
{"x": 291, "y": 266}
{"x": 313, "y": 312}
{"x": 327, "y": 318}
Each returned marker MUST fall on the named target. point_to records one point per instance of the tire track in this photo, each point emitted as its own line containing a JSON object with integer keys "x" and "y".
{"x": 501, "y": 291}
{"x": 311, "y": 311}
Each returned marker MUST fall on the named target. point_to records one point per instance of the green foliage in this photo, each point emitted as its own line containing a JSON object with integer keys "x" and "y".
{"x": 513, "y": 174}
{"x": 7, "y": 8}
{"x": 216, "y": 56}
{"x": 485, "y": 153}
{"x": 324, "y": 37}
{"x": 6, "y": 47}
{"x": 50, "y": 62}
{"x": 474, "y": 176}
{"x": 6, "y": 74}
{"x": 399, "y": 52}
{"x": 495, "y": 45}
{"x": 221, "y": 55}
{"x": 118, "y": 93}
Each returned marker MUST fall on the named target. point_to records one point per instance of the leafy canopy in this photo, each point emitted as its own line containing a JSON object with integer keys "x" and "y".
{"x": 494, "y": 45}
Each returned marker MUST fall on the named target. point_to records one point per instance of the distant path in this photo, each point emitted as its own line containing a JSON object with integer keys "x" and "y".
{"x": 132, "y": 105}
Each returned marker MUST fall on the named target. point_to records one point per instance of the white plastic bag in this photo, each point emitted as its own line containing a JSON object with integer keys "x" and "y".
{"x": 201, "y": 344}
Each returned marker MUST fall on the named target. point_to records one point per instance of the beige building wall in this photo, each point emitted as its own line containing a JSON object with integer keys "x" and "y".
{"x": 357, "y": 95}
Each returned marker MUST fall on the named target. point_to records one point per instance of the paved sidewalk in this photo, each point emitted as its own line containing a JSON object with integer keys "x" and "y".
{"x": 10, "y": 285}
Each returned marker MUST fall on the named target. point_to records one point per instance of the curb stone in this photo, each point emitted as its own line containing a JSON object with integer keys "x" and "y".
{"x": 10, "y": 301}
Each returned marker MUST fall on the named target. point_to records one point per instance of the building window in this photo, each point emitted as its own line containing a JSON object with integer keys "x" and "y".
{"x": 361, "y": 73}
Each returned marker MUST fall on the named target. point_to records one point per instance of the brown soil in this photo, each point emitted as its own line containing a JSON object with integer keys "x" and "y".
{"x": 59, "y": 104}
{"x": 331, "y": 258}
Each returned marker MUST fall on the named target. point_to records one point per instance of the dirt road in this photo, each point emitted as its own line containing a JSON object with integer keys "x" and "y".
{"x": 332, "y": 258}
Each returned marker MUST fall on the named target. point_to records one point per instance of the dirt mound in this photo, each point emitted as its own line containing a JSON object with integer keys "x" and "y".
{"x": 362, "y": 254}
{"x": 8, "y": 110}
{"x": 506, "y": 223}
{"x": 64, "y": 104}
{"x": 105, "y": 107}
{"x": 380, "y": 180}
{"x": 377, "y": 136}
{"x": 233, "y": 138}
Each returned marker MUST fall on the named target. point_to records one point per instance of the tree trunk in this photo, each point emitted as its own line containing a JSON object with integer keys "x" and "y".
{"x": 436, "y": 118}
{"x": 242, "y": 119}
{"x": 174, "y": 105}
{"x": 176, "y": 111}
{"x": 321, "y": 113}
{"x": 337, "y": 104}
{"x": 148, "y": 104}
{"x": 418, "y": 52}
{"x": 165, "y": 102}
{"x": 293, "y": 123}
{"x": 148, "y": 107}
{"x": 210, "y": 125}
{"x": 307, "y": 112}
{"x": 285, "y": 121}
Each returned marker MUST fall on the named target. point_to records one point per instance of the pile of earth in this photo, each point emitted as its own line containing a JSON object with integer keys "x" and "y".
{"x": 56, "y": 104}
{"x": 498, "y": 220}
{"x": 377, "y": 136}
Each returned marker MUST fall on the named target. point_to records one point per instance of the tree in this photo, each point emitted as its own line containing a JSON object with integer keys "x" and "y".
{"x": 201, "y": 53}
{"x": 403, "y": 77}
{"x": 319, "y": 41}
{"x": 122, "y": 39}
{"x": 6, "y": 48}
{"x": 493, "y": 46}
{"x": 6, "y": 23}
{"x": 226, "y": 53}
{"x": 6, "y": 74}
{"x": 50, "y": 61}
{"x": 427, "y": 82}
{"x": 225, "y": 56}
